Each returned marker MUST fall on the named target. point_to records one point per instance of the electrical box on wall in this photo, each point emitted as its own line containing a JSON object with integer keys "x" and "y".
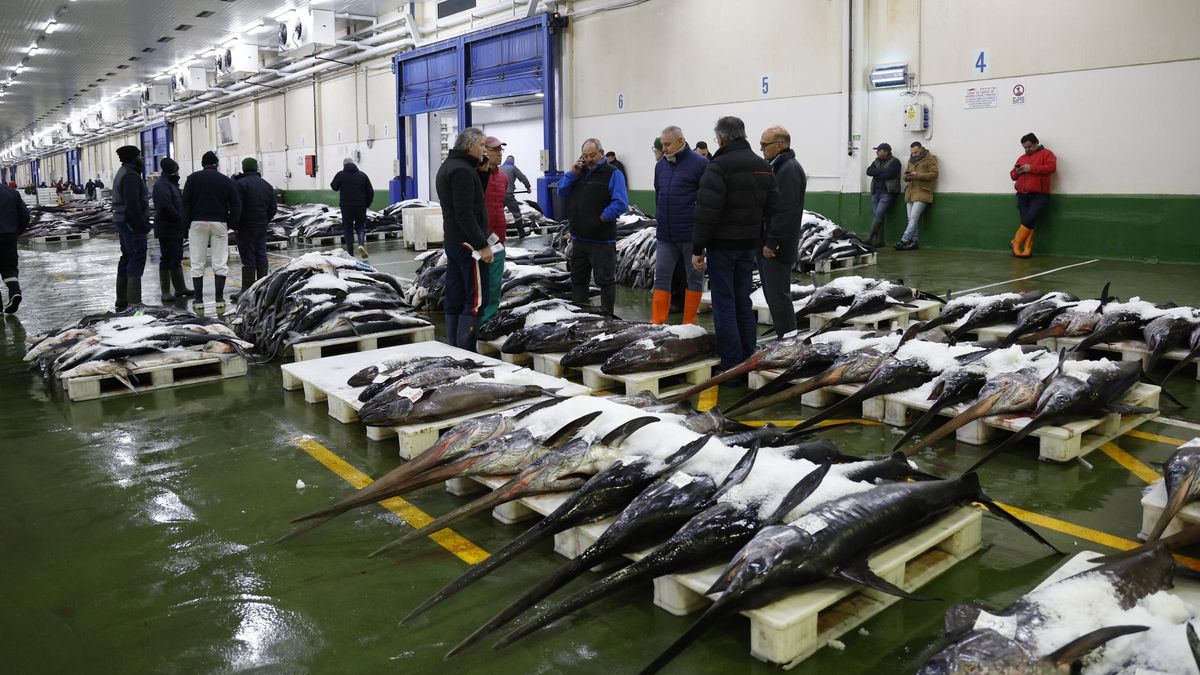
{"x": 310, "y": 165}
{"x": 916, "y": 117}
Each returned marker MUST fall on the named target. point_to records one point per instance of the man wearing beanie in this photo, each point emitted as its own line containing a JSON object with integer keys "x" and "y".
{"x": 355, "y": 195}
{"x": 258, "y": 208}
{"x": 14, "y": 219}
{"x": 129, "y": 202}
{"x": 169, "y": 230}
{"x": 210, "y": 205}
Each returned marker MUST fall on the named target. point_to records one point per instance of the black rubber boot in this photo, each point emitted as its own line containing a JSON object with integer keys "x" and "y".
{"x": 198, "y": 298}
{"x": 262, "y": 272}
{"x": 122, "y": 293}
{"x": 133, "y": 293}
{"x": 247, "y": 280}
{"x": 14, "y": 297}
{"x": 875, "y": 238}
{"x": 219, "y": 291}
{"x": 164, "y": 282}
{"x": 181, "y": 289}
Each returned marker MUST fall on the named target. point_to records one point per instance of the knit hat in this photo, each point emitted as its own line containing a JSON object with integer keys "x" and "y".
{"x": 128, "y": 153}
{"x": 168, "y": 166}
{"x": 210, "y": 159}
{"x": 249, "y": 164}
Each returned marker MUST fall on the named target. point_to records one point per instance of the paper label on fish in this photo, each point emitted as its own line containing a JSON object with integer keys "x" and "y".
{"x": 680, "y": 479}
{"x": 811, "y": 524}
{"x": 1004, "y": 625}
{"x": 411, "y": 393}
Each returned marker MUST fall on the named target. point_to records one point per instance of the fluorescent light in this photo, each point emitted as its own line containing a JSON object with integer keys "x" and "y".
{"x": 20, "y": 67}
{"x": 481, "y": 104}
{"x": 33, "y": 49}
{"x": 284, "y": 14}
{"x": 51, "y": 27}
{"x": 894, "y": 75}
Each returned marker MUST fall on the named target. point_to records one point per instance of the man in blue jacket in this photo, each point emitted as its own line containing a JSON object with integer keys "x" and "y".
{"x": 355, "y": 195}
{"x": 595, "y": 195}
{"x": 170, "y": 232}
{"x": 258, "y": 208}
{"x": 129, "y": 203}
{"x": 676, "y": 181}
{"x": 14, "y": 219}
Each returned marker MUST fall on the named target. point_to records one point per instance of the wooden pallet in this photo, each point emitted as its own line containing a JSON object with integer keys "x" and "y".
{"x": 898, "y": 316}
{"x": 307, "y": 351}
{"x": 159, "y": 375}
{"x": 492, "y": 348}
{"x": 872, "y": 408}
{"x": 1056, "y": 443}
{"x": 1130, "y": 350}
{"x": 838, "y": 265}
{"x": 60, "y": 238}
{"x": 1153, "y": 503}
{"x": 657, "y": 382}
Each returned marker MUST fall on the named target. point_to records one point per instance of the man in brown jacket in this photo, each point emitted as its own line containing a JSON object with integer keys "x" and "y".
{"x": 921, "y": 173}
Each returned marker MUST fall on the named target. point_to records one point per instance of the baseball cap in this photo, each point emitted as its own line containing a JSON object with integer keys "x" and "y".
{"x": 883, "y": 146}
{"x": 493, "y": 142}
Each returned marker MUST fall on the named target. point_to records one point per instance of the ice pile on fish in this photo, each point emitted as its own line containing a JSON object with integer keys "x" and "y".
{"x": 528, "y": 276}
{"x": 822, "y": 239}
{"x": 320, "y": 296}
{"x": 116, "y": 343}
{"x": 307, "y": 221}
{"x": 850, "y": 297}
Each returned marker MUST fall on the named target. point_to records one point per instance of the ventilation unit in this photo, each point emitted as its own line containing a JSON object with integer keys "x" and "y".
{"x": 236, "y": 62}
{"x": 303, "y": 33}
{"x": 189, "y": 82}
{"x": 156, "y": 95}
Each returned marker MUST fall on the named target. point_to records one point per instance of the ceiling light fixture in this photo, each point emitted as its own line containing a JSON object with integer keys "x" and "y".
{"x": 33, "y": 49}
{"x": 51, "y": 27}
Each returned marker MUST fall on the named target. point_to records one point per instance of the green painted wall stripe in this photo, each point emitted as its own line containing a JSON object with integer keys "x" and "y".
{"x": 330, "y": 197}
{"x": 1156, "y": 228}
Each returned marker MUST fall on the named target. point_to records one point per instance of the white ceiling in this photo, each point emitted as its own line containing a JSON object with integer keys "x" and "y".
{"x": 103, "y": 46}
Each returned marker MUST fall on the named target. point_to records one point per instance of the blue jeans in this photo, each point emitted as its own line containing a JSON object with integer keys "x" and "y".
{"x": 1030, "y": 205}
{"x": 666, "y": 254}
{"x": 880, "y": 201}
{"x": 729, "y": 277}
{"x": 133, "y": 251}
{"x": 914, "y": 209}
{"x": 466, "y": 293}
{"x": 354, "y": 219}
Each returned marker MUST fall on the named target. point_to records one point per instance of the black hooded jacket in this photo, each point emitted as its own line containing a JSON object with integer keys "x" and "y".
{"x": 353, "y": 187}
{"x": 737, "y": 195}
{"x": 210, "y": 195}
{"x": 460, "y": 192}
{"x": 168, "y": 209}
{"x": 258, "y": 200}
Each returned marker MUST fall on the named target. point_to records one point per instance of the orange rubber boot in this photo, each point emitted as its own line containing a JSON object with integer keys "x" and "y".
{"x": 660, "y": 307}
{"x": 1027, "y": 252}
{"x": 691, "y": 306}
{"x": 1018, "y": 242}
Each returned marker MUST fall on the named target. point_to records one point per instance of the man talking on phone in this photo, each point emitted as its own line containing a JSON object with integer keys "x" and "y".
{"x": 595, "y": 196}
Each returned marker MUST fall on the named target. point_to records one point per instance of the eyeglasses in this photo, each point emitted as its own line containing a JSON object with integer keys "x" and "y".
{"x": 764, "y": 146}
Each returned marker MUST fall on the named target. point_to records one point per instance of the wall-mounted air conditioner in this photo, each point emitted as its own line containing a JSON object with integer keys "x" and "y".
{"x": 304, "y": 32}
{"x": 156, "y": 95}
{"x": 236, "y": 62}
{"x": 189, "y": 82}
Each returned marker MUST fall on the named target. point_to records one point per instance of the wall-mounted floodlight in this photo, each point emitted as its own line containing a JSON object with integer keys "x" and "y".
{"x": 895, "y": 75}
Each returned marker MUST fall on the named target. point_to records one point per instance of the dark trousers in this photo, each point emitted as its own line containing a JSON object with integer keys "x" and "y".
{"x": 8, "y": 257}
{"x": 514, "y": 207}
{"x": 729, "y": 280}
{"x": 466, "y": 293}
{"x": 252, "y": 245}
{"x": 354, "y": 220}
{"x": 594, "y": 259}
{"x": 170, "y": 253}
{"x": 133, "y": 251}
{"x": 1030, "y": 205}
{"x": 776, "y": 276}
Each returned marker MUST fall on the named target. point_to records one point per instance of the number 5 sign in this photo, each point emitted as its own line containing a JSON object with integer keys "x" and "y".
{"x": 981, "y": 64}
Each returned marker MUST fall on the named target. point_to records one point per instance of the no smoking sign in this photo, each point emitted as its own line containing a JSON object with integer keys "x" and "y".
{"x": 1018, "y": 97}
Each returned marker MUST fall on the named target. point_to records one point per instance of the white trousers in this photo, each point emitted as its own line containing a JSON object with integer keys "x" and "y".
{"x": 206, "y": 235}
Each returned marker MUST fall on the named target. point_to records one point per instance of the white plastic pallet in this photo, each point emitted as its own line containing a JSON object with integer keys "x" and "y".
{"x": 60, "y": 238}
{"x": 657, "y": 382}
{"x": 1130, "y": 350}
{"x": 1001, "y": 331}
{"x": 1153, "y": 503}
{"x": 839, "y": 264}
{"x": 872, "y": 408}
{"x": 761, "y": 311}
{"x": 900, "y": 316}
{"x": 336, "y": 239}
{"x": 1056, "y": 443}
{"x": 551, "y": 364}
{"x": 307, "y": 351}
{"x": 206, "y": 368}
{"x": 492, "y": 348}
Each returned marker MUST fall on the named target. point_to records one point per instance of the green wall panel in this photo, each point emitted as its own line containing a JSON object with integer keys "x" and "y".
{"x": 330, "y": 197}
{"x": 1136, "y": 227}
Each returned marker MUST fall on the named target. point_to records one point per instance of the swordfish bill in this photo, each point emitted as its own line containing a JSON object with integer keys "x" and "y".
{"x": 956, "y": 387}
{"x": 777, "y": 354}
{"x": 545, "y": 475}
{"x": 603, "y": 495}
{"x": 648, "y": 520}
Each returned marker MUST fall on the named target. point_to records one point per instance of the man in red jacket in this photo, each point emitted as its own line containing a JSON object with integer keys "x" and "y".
{"x": 1032, "y": 175}
{"x": 495, "y": 189}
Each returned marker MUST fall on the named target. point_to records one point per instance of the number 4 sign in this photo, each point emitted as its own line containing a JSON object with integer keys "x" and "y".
{"x": 981, "y": 63}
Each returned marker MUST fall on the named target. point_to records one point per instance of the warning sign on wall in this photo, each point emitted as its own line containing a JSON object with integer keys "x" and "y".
{"x": 979, "y": 97}
{"x": 1018, "y": 97}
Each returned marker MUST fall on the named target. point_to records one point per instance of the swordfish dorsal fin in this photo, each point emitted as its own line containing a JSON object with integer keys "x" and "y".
{"x": 738, "y": 473}
{"x": 569, "y": 430}
{"x": 859, "y": 573}
{"x": 626, "y": 430}
{"x": 801, "y": 491}
{"x": 685, "y": 453}
{"x": 1076, "y": 649}
{"x": 1062, "y": 358}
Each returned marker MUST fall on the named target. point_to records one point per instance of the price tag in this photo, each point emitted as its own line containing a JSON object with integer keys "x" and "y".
{"x": 680, "y": 479}
{"x": 810, "y": 523}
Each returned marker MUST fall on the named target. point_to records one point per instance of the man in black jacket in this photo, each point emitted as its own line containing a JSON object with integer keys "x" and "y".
{"x": 596, "y": 196}
{"x": 129, "y": 202}
{"x": 355, "y": 195}
{"x": 169, "y": 230}
{"x": 781, "y": 237}
{"x": 258, "y": 208}
{"x": 210, "y": 205}
{"x": 885, "y": 185}
{"x": 737, "y": 196}
{"x": 14, "y": 219}
{"x": 464, "y": 230}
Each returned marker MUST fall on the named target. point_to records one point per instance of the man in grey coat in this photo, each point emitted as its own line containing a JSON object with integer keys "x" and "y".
{"x": 509, "y": 167}
{"x": 781, "y": 233}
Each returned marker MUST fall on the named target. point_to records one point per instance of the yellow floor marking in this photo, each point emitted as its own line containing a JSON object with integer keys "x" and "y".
{"x": 826, "y": 423}
{"x": 1155, "y": 437}
{"x": 708, "y": 400}
{"x": 1135, "y": 466}
{"x": 447, "y": 538}
{"x": 1086, "y": 533}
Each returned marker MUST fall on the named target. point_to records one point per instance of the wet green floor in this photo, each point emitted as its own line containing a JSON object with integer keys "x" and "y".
{"x": 136, "y": 531}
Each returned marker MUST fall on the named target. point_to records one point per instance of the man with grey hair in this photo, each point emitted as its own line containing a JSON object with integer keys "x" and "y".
{"x": 737, "y": 196}
{"x": 595, "y": 197}
{"x": 781, "y": 237}
{"x": 465, "y": 240}
{"x": 676, "y": 180}
{"x": 355, "y": 195}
